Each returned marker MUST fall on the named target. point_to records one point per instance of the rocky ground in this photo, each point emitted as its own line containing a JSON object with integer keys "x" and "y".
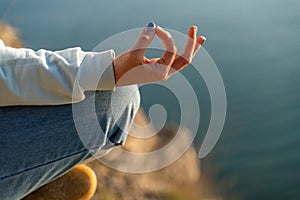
{"x": 180, "y": 180}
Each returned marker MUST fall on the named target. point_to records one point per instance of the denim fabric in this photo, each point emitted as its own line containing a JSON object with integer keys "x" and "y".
{"x": 40, "y": 143}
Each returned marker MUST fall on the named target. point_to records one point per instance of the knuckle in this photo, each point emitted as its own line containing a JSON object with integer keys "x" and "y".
{"x": 174, "y": 49}
{"x": 144, "y": 37}
{"x": 164, "y": 76}
{"x": 184, "y": 62}
{"x": 167, "y": 36}
{"x": 187, "y": 62}
{"x": 132, "y": 53}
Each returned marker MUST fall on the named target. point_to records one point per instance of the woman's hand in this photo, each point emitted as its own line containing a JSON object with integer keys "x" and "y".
{"x": 132, "y": 67}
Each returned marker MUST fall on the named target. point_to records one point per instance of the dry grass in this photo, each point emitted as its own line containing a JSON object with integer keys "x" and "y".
{"x": 10, "y": 36}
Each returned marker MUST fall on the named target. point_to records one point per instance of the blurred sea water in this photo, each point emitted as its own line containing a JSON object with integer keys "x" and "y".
{"x": 256, "y": 46}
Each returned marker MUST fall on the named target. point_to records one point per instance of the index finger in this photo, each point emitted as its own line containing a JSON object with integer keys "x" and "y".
{"x": 144, "y": 39}
{"x": 168, "y": 42}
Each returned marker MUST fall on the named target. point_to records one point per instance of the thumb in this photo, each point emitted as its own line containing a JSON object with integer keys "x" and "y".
{"x": 145, "y": 38}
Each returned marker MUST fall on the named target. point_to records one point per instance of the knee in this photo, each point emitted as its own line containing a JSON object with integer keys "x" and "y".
{"x": 125, "y": 102}
{"x": 116, "y": 112}
{"x": 104, "y": 119}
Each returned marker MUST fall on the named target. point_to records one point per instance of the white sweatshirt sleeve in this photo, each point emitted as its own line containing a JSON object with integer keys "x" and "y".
{"x": 52, "y": 78}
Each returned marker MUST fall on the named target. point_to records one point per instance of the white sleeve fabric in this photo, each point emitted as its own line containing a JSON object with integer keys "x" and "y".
{"x": 52, "y": 78}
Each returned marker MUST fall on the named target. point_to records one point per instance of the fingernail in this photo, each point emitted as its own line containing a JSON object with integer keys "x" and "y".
{"x": 204, "y": 39}
{"x": 150, "y": 26}
{"x": 195, "y": 28}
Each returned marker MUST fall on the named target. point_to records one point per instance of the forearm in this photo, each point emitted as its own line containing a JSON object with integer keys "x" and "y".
{"x": 49, "y": 78}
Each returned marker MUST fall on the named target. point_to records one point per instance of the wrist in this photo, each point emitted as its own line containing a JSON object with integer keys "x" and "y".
{"x": 117, "y": 70}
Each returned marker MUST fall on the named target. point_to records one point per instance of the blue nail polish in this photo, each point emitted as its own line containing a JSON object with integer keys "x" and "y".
{"x": 150, "y": 26}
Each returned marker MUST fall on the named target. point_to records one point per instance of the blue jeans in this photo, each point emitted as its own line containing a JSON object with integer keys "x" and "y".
{"x": 40, "y": 143}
